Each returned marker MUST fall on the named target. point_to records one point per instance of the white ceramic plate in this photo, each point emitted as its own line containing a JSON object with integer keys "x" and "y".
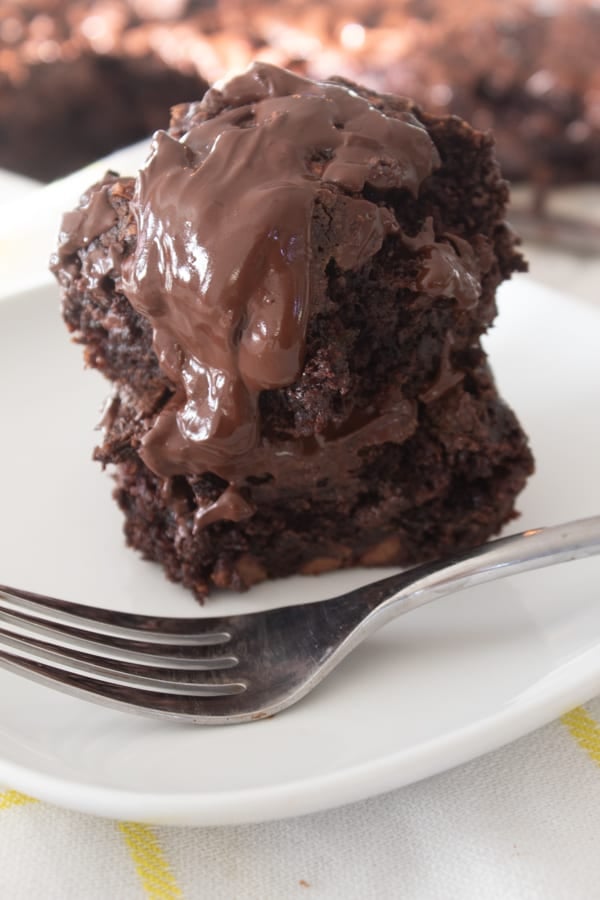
{"x": 442, "y": 686}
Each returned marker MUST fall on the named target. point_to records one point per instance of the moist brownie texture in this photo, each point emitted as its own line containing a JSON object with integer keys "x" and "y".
{"x": 82, "y": 77}
{"x": 289, "y": 300}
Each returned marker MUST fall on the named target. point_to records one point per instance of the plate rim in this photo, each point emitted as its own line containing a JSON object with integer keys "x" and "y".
{"x": 318, "y": 793}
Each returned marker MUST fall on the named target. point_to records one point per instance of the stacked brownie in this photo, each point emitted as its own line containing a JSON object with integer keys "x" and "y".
{"x": 289, "y": 300}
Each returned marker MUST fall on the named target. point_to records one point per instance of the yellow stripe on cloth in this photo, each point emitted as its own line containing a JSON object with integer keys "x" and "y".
{"x": 585, "y": 730}
{"x": 14, "y": 798}
{"x": 150, "y": 862}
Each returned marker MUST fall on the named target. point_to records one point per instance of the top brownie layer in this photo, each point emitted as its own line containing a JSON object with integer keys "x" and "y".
{"x": 265, "y": 196}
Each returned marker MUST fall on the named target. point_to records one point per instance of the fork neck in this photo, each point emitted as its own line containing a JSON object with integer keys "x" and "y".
{"x": 533, "y": 549}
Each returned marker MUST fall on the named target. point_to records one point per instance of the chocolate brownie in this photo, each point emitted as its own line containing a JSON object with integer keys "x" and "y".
{"x": 289, "y": 300}
{"x": 82, "y": 77}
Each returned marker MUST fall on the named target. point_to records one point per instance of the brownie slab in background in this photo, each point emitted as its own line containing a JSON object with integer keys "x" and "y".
{"x": 289, "y": 300}
{"x": 83, "y": 77}
{"x": 77, "y": 81}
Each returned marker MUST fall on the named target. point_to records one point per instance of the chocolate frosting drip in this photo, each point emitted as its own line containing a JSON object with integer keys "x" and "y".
{"x": 448, "y": 267}
{"x": 81, "y": 226}
{"x": 222, "y": 265}
{"x": 229, "y": 505}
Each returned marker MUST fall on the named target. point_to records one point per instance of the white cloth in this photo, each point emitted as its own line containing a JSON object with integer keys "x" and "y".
{"x": 522, "y": 823}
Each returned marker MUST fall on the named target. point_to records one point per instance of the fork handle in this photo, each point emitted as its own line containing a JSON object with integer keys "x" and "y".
{"x": 533, "y": 549}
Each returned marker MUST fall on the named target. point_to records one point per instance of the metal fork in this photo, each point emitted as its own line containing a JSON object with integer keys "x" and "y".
{"x": 221, "y": 670}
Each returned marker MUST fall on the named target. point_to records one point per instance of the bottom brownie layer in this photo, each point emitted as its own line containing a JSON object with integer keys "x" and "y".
{"x": 448, "y": 487}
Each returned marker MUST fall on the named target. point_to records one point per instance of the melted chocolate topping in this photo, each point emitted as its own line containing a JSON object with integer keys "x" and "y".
{"x": 222, "y": 266}
{"x": 229, "y": 505}
{"x": 81, "y": 226}
{"x": 448, "y": 268}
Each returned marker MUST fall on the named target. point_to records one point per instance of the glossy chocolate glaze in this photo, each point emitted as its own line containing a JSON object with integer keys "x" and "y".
{"x": 448, "y": 268}
{"x": 222, "y": 264}
{"x": 81, "y": 226}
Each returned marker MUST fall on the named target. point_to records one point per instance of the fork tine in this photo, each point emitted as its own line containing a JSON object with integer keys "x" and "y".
{"x": 118, "y": 625}
{"x": 215, "y": 709}
{"x": 78, "y": 645}
{"x": 284, "y": 653}
{"x": 58, "y": 667}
